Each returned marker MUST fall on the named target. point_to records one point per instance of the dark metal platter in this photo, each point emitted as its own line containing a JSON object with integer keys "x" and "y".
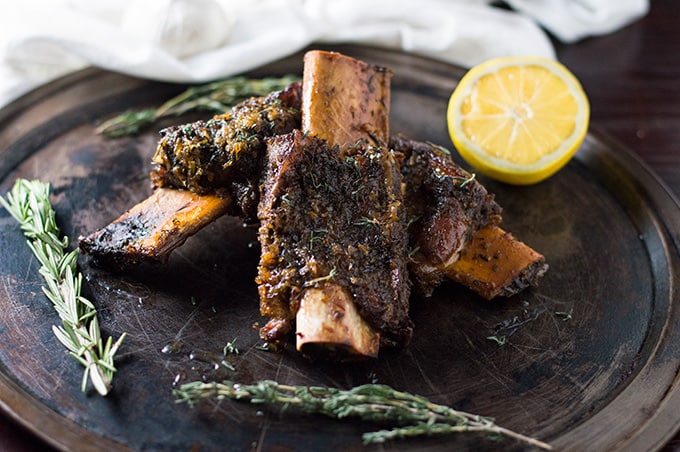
{"x": 604, "y": 377}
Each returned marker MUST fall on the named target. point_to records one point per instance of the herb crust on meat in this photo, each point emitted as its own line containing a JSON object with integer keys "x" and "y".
{"x": 224, "y": 154}
{"x": 331, "y": 214}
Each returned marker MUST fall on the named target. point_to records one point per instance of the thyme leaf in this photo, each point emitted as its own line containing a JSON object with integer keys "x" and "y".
{"x": 365, "y": 221}
{"x": 463, "y": 181}
{"x": 216, "y": 97}
{"x": 320, "y": 279}
{"x": 29, "y": 203}
{"x": 412, "y": 415}
{"x": 565, "y": 315}
{"x": 231, "y": 348}
{"x": 500, "y": 340}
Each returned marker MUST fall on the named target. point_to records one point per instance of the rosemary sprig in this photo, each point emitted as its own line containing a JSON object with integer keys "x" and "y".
{"x": 29, "y": 203}
{"x": 414, "y": 415}
{"x": 216, "y": 97}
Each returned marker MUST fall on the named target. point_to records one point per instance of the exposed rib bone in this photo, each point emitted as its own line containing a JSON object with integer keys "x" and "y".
{"x": 152, "y": 229}
{"x": 496, "y": 264}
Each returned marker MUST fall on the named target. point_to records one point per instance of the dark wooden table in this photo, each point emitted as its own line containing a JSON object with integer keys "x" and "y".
{"x": 633, "y": 80}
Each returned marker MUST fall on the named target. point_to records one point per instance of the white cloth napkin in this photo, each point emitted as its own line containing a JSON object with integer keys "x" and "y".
{"x": 202, "y": 40}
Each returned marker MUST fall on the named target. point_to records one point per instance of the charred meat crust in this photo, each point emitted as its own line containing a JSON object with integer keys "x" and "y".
{"x": 224, "y": 154}
{"x": 330, "y": 214}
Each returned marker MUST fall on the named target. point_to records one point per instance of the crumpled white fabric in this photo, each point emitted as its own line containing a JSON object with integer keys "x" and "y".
{"x": 201, "y": 40}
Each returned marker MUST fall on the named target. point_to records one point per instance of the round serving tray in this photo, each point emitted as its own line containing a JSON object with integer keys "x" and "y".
{"x": 605, "y": 376}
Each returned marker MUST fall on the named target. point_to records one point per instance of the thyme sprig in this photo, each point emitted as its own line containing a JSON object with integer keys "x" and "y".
{"x": 29, "y": 203}
{"x": 216, "y": 97}
{"x": 413, "y": 415}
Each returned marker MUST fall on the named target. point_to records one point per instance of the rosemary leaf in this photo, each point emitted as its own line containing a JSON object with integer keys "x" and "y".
{"x": 29, "y": 203}
{"x": 215, "y": 98}
{"x": 411, "y": 415}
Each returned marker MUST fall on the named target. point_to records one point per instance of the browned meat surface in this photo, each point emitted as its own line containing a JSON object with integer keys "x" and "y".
{"x": 201, "y": 170}
{"x": 153, "y": 228}
{"x": 446, "y": 207}
{"x": 224, "y": 154}
{"x": 331, "y": 215}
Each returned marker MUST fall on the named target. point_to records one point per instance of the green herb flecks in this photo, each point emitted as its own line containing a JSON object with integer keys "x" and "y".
{"x": 231, "y": 348}
{"x": 365, "y": 221}
{"x": 331, "y": 275}
{"x": 500, "y": 340}
{"x": 463, "y": 181}
{"x": 29, "y": 203}
{"x": 565, "y": 315}
{"x": 215, "y": 98}
{"x": 412, "y": 415}
{"x": 316, "y": 235}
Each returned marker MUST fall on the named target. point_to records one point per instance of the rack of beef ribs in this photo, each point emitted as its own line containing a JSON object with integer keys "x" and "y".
{"x": 332, "y": 263}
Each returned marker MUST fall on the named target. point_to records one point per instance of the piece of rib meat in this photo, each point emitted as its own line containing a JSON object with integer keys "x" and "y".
{"x": 333, "y": 216}
{"x": 344, "y": 101}
{"x": 454, "y": 229}
{"x": 224, "y": 154}
{"x": 446, "y": 205}
{"x": 496, "y": 264}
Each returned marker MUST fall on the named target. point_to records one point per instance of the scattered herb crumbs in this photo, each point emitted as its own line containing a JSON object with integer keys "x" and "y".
{"x": 230, "y": 348}
{"x": 565, "y": 315}
{"x": 463, "y": 181}
{"x": 329, "y": 276}
{"x": 500, "y": 340}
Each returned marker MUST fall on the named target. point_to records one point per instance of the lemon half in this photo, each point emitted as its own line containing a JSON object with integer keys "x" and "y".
{"x": 518, "y": 119}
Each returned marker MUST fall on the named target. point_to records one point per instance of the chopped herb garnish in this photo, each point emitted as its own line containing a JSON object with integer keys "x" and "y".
{"x": 565, "y": 315}
{"x": 463, "y": 181}
{"x": 329, "y": 276}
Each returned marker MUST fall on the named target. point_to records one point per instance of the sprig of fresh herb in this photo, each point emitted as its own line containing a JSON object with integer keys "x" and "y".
{"x": 29, "y": 203}
{"x": 216, "y": 97}
{"x": 414, "y": 415}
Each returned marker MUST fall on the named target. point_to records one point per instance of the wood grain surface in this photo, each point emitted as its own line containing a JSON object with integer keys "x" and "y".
{"x": 607, "y": 226}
